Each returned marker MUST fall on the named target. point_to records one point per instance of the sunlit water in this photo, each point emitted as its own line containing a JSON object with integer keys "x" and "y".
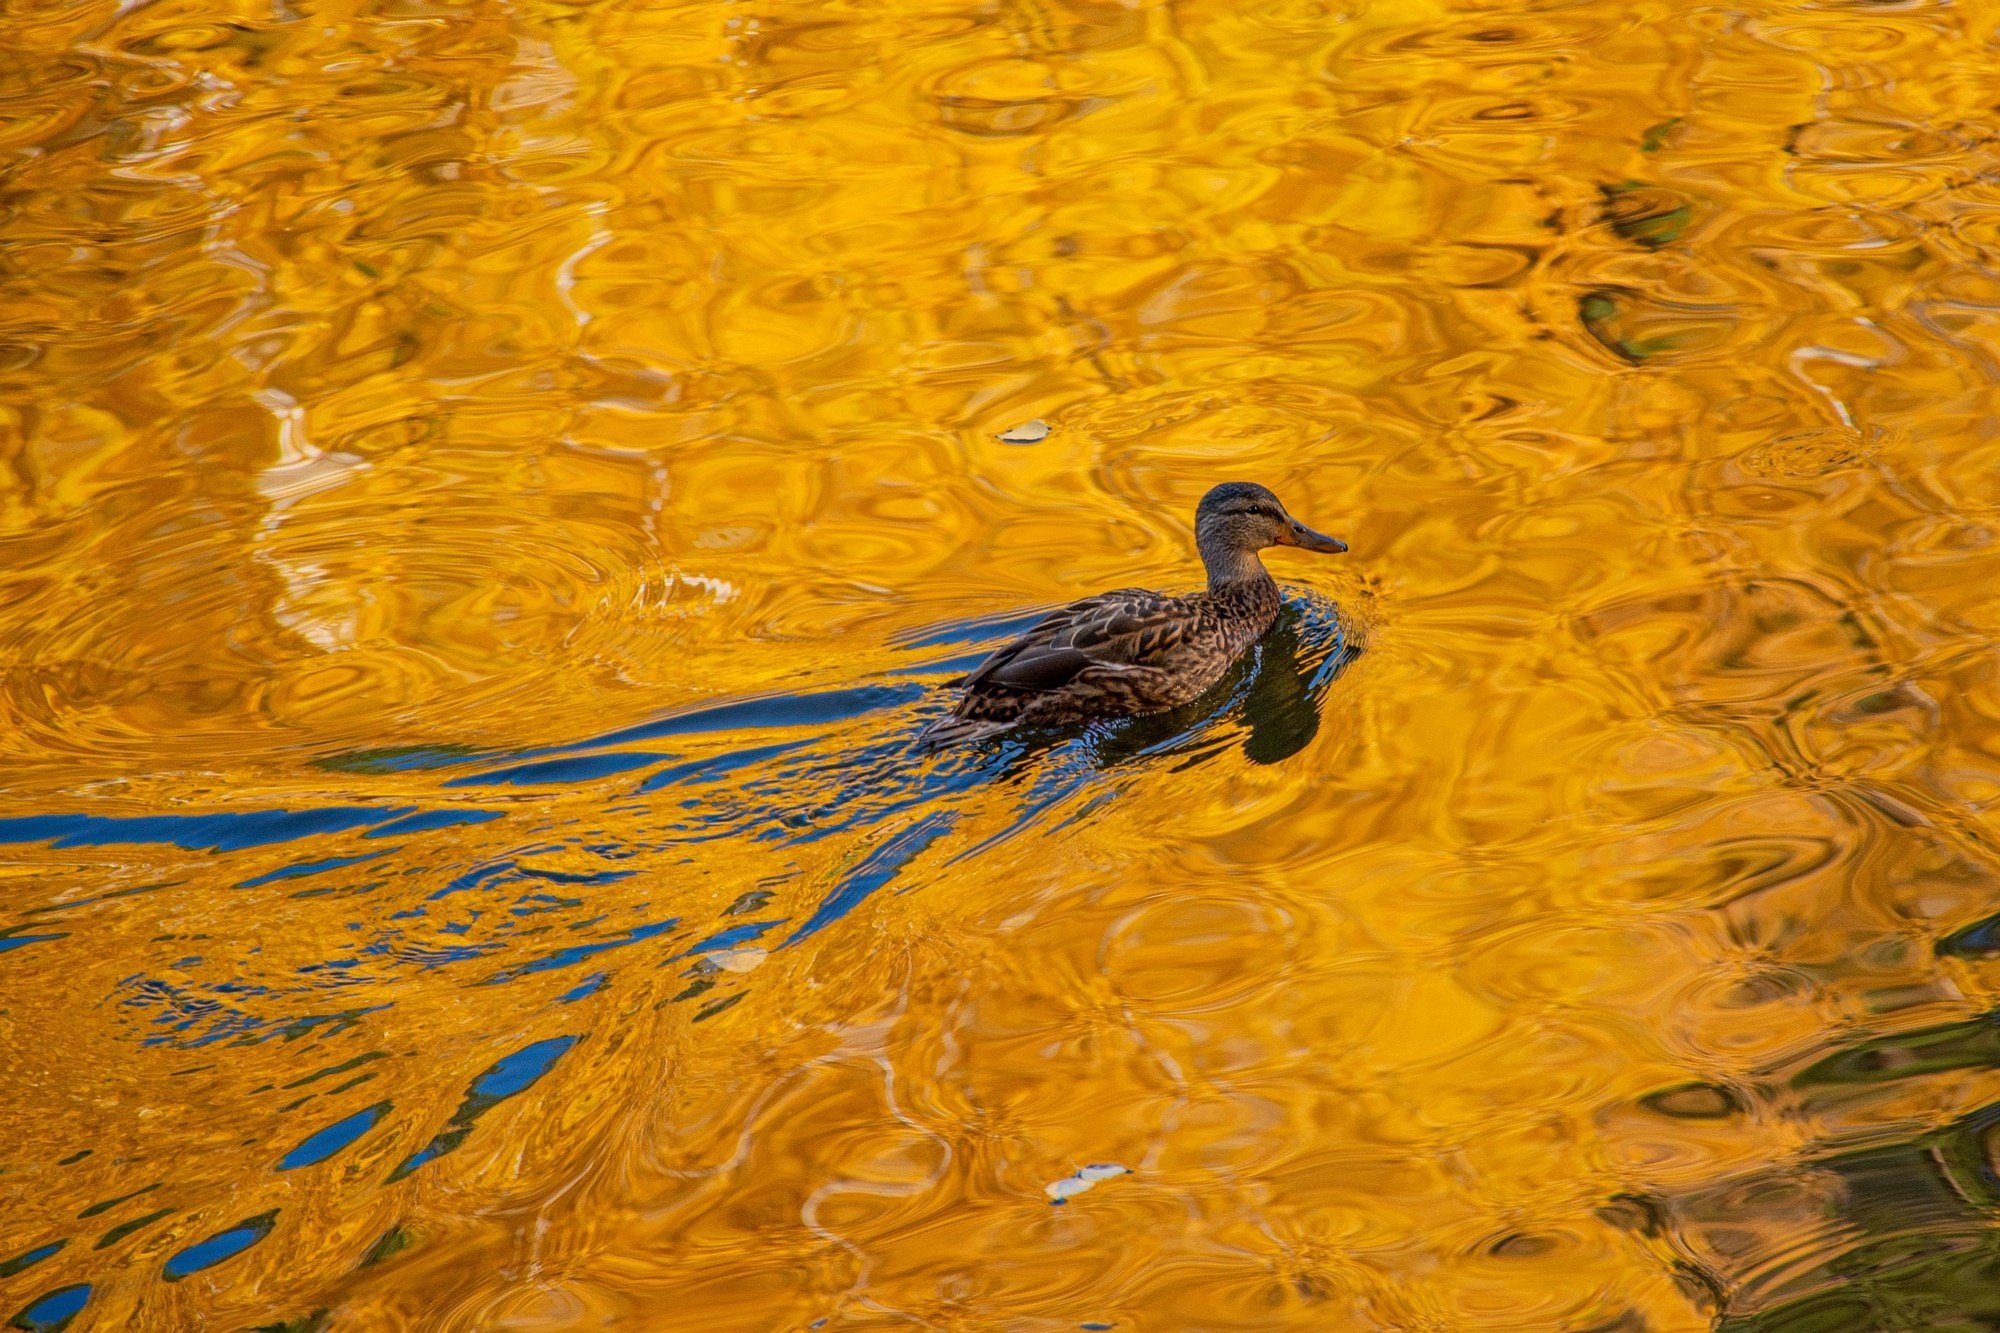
{"x": 491, "y": 492}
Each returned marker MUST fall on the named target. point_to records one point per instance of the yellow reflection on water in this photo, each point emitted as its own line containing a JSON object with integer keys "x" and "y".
{"x": 418, "y": 416}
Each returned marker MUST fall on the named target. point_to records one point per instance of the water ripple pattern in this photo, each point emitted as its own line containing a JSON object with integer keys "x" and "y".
{"x": 489, "y": 495}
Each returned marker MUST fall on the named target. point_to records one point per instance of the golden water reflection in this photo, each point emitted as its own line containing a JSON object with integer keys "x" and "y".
{"x": 489, "y": 492}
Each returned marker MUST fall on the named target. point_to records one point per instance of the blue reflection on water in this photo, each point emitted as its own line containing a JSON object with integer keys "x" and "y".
{"x": 305, "y": 868}
{"x": 508, "y": 1077}
{"x": 425, "y": 820}
{"x": 226, "y": 832}
{"x": 52, "y": 1312}
{"x": 324, "y": 1144}
{"x": 576, "y": 953}
{"x": 223, "y": 1245}
{"x": 581, "y": 768}
{"x": 730, "y": 938}
{"x": 848, "y": 780}
{"x": 27, "y": 1259}
{"x": 881, "y": 865}
{"x": 589, "y": 986}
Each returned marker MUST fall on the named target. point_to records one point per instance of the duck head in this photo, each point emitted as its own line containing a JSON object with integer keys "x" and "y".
{"x": 1240, "y": 518}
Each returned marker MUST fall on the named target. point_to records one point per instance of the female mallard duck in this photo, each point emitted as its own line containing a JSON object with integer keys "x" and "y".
{"x": 1134, "y": 651}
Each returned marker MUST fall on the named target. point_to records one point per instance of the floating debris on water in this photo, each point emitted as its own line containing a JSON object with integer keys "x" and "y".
{"x": 1061, "y": 1191}
{"x": 1028, "y": 432}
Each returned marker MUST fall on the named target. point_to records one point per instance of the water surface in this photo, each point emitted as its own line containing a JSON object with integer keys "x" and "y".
{"x": 488, "y": 494}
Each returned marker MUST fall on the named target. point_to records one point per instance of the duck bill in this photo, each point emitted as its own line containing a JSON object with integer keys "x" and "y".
{"x": 1306, "y": 539}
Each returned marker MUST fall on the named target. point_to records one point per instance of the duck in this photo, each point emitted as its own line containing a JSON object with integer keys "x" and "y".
{"x": 1133, "y": 651}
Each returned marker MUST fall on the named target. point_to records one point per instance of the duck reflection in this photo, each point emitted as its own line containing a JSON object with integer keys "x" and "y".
{"x": 1271, "y": 697}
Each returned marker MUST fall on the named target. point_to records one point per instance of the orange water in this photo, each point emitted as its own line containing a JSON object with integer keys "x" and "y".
{"x": 1587, "y": 927}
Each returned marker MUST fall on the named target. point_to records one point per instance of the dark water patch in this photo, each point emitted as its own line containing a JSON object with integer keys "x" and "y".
{"x": 304, "y": 868}
{"x": 747, "y": 902}
{"x": 1910, "y": 1245}
{"x": 124, "y": 1229}
{"x": 402, "y": 759}
{"x": 578, "y": 768}
{"x": 730, "y": 938}
{"x": 876, "y": 869}
{"x": 226, "y": 832}
{"x": 1649, "y": 215}
{"x": 75, "y": 1157}
{"x": 224, "y": 1245}
{"x": 509, "y": 1077}
{"x": 187, "y": 1012}
{"x": 1694, "y": 1101}
{"x": 325, "y": 1143}
{"x": 770, "y": 711}
{"x": 393, "y": 1242}
{"x": 305, "y": 1323}
{"x": 311, "y": 1025}
{"x": 106, "y": 1205}
{"x": 584, "y": 989}
{"x": 52, "y": 1311}
{"x": 1656, "y": 136}
{"x": 534, "y": 904}
{"x": 425, "y": 821}
{"x": 27, "y": 1259}
{"x": 365, "y": 1057}
{"x": 328, "y": 890}
{"x": 1971, "y": 1044}
{"x": 1981, "y": 939}
{"x": 716, "y": 767}
{"x": 720, "y": 1006}
{"x": 476, "y": 877}
{"x": 576, "y": 953}
{"x": 427, "y": 956}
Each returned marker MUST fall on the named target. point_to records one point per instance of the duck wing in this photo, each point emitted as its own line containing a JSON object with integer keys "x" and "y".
{"x": 1115, "y": 630}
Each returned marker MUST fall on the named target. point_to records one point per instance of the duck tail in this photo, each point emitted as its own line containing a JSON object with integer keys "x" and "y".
{"x": 953, "y": 729}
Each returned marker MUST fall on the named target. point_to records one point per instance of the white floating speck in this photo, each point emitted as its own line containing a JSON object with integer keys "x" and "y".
{"x": 1032, "y": 432}
{"x": 1059, "y": 1191}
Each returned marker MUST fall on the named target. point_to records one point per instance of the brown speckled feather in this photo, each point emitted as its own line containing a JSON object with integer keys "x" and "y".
{"x": 1111, "y": 631}
{"x": 1130, "y": 651}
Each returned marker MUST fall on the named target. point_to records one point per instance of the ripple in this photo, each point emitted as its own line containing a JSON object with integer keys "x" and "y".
{"x": 488, "y": 499}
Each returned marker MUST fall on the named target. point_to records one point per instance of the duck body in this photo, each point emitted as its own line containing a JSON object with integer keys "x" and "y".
{"x": 1133, "y": 650}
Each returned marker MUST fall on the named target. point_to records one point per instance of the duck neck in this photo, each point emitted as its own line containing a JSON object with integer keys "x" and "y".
{"x": 1234, "y": 570}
